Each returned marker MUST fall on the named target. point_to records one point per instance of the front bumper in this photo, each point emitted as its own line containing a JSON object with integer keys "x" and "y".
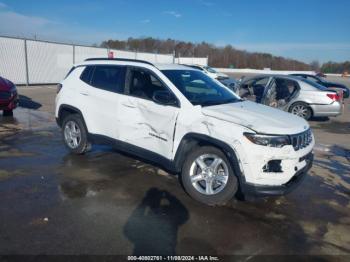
{"x": 10, "y": 103}
{"x": 264, "y": 190}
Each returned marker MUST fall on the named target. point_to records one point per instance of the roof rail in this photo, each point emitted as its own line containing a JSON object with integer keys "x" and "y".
{"x": 119, "y": 59}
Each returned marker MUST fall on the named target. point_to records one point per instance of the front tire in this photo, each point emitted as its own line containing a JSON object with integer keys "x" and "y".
{"x": 208, "y": 177}
{"x": 301, "y": 109}
{"x": 75, "y": 134}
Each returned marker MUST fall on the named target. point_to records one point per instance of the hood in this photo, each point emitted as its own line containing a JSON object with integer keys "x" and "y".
{"x": 260, "y": 118}
{"x": 5, "y": 85}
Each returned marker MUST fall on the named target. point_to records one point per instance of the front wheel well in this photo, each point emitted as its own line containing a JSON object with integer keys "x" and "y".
{"x": 66, "y": 110}
{"x": 191, "y": 141}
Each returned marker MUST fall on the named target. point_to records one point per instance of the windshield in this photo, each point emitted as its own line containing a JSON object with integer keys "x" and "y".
{"x": 210, "y": 70}
{"x": 314, "y": 84}
{"x": 199, "y": 88}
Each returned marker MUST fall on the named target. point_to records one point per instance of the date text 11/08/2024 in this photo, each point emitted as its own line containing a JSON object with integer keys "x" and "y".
{"x": 173, "y": 258}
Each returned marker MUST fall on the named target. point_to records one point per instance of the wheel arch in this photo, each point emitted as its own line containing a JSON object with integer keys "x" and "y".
{"x": 301, "y": 102}
{"x": 191, "y": 140}
{"x": 65, "y": 110}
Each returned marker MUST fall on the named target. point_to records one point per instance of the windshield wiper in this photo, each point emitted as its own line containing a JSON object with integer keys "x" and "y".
{"x": 213, "y": 102}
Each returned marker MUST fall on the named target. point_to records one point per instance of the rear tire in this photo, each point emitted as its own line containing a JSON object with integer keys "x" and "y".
{"x": 301, "y": 109}
{"x": 8, "y": 113}
{"x": 75, "y": 134}
{"x": 208, "y": 177}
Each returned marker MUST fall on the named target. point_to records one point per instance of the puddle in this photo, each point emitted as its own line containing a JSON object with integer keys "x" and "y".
{"x": 25, "y": 119}
{"x": 121, "y": 203}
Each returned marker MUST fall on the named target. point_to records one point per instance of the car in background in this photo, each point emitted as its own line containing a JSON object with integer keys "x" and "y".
{"x": 324, "y": 82}
{"x": 229, "y": 82}
{"x": 210, "y": 71}
{"x": 8, "y": 96}
{"x": 299, "y": 96}
{"x": 320, "y": 74}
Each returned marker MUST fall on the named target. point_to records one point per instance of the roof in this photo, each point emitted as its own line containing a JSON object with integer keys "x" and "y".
{"x": 133, "y": 62}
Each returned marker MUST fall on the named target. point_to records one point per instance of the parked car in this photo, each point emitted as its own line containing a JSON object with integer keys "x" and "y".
{"x": 187, "y": 123}
{"x": 229, "y": 82}
{"x": 320, "y": 74}
{"x": 299, "y": 96}
{"x": 210, "y": 71}
{"x": 324, "y": 82}
{"x": 8, "y": 96}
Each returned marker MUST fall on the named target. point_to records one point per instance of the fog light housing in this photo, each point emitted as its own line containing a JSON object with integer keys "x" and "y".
{"x": 273, "y": 166}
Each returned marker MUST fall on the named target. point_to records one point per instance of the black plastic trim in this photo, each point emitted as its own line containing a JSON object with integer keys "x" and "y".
{"x": 141, "y": 153}
{"x": 120, "y": 59}
{"x": 193, "y": 139}
{"x": 70, "y": 108}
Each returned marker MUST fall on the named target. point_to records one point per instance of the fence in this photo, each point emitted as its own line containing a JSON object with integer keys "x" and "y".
{"x": 25, "y": 61}
{"x": 192, "y": 60}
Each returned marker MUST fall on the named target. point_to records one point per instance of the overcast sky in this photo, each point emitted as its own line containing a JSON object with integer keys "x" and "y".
{"x": 303, "y": 29}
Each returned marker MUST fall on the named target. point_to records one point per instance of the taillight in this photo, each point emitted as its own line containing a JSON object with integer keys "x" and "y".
{"x": 334, "y": 96}
{"x": 59, "y": 87}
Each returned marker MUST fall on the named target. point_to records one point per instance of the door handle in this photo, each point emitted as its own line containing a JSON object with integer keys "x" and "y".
{"x": 84, "y": 93}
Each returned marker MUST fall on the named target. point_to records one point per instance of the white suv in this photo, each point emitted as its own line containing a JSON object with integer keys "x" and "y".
{"x": 184, "y": 121}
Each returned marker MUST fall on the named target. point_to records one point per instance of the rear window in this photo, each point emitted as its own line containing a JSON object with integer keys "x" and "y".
{"x": 314, "y": 84}
{"x": 109, "y": 78}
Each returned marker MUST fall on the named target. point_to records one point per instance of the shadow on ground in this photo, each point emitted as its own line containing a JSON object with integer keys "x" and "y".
{"x": 28, "y": 103}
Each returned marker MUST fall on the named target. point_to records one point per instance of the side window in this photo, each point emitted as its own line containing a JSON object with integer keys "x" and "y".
{"x": 86, "y": 75}
{"x": 143, "y": 84}
{"x": 262, "y": 81}
{"x": 313, "y": 79}
{"x": 109, "y": 78}
{"x": 285, "y": 88}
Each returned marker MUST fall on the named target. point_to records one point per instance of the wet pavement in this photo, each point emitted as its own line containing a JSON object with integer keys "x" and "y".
{"x": 104, "y": 202}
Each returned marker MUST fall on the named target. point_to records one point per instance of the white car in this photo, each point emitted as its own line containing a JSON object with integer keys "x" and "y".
{"x": 210, "y": 72}
{"x": 187, "y": 123}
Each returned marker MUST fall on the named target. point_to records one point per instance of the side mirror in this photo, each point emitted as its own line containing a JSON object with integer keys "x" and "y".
{"x": 164, "y": 97}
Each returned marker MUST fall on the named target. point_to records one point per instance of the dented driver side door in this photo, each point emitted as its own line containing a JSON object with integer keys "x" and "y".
{"x": 142, "y": 122}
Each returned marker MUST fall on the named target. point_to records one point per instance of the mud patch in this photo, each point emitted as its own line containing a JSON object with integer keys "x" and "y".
{"x": 334, "y": 127}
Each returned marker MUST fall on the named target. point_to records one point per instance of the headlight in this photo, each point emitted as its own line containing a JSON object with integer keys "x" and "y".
{"x": 268, "y": 140}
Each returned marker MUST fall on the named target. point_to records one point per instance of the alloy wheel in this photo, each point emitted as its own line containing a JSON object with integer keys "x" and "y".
{"x": 300, "y": 110}
{"x": 72, "y": 134}
{"x": 209, "y": 174}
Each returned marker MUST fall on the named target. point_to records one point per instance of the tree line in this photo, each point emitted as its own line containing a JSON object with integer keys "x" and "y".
{"x": 336, "y": 68}
{"x": 225, "y": 57}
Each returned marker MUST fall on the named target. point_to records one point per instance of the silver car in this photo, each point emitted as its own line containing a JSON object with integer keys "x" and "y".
{"x": 298, "y": 96}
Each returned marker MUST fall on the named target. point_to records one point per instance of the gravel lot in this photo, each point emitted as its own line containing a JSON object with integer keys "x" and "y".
{"x": 106, "y": 203}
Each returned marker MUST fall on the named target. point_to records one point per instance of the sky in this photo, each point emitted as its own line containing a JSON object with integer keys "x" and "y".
{"x": 306, "y": 30}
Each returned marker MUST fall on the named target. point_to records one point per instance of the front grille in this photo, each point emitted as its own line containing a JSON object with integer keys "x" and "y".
{"x": 5, "y": 95}
{"x": 301, "y": 140}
